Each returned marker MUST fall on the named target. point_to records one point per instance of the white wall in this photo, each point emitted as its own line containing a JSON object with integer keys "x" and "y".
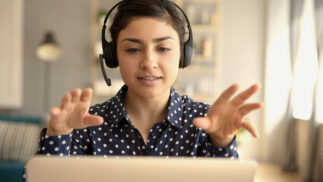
{"x": 243, "y": 46}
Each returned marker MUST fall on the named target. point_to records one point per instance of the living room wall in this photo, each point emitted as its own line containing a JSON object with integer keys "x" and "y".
{"x": 243, "y": 52}
{"x": 70, "y": 22}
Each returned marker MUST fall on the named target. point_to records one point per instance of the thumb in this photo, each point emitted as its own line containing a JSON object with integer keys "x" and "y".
{"x": 249, "y": 126}
{"x": 93, "y": 120}
{"x": 54, "y": 111}
{"x": 202, "y": 122}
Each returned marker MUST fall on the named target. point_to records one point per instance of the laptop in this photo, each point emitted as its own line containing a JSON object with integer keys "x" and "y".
{"x": 139, "y": 169}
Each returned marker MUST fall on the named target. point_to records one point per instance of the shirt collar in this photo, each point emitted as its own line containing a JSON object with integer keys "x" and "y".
{"x": 119, "y": 113}
{"x": 175, "y": 109}
{"x": 117, "y": 109}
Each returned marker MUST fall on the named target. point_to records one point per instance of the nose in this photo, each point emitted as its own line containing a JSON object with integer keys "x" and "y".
{"x": 149, "y": 60}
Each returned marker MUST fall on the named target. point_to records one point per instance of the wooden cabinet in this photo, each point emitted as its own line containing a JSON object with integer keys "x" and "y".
{"x": 201, "y": 80}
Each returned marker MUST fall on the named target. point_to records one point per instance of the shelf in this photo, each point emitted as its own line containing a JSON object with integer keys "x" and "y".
{"x": 198, "y": 69}
{"x": 198, "y": 1}
{"x": 202, "y": 97}
{"x": 205, "y": 28}
{"x": 201, "y": 58}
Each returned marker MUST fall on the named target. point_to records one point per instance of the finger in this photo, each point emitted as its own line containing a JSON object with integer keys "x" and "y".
{"x": 247, "y": 108}
{"x": 227, "y": 94}
{"x": 66, "y": 100}
{"x": 243, "y": 96}
{"x": 83, "y": 112}
{"x": 93, "y": 120}
{"x": 76, "y": 94}
{"x": 86, "y": 95}
{"x": 249, "y": 126}
{"x": 202, "y": 122}
{"x": 54, "y": 112}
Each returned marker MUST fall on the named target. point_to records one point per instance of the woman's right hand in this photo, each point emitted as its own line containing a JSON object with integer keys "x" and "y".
{"x": 72, "y": 113}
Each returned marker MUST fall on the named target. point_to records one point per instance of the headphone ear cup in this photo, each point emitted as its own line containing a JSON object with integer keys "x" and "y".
{"x": 187, "y": 55}
{"x": 110, "y": 56}
{"x": 105, "y": 55}
{"x": 114, "y": 55}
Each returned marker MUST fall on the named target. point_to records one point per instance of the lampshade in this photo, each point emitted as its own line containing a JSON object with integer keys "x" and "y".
{"x": 49, "y": 50}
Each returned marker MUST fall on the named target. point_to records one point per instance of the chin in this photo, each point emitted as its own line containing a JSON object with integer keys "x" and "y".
{"x": 153, "y": 91}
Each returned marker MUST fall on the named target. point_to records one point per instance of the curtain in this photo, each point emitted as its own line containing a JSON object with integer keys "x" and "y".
{"x": 290, "y": 162}
{"x": 305, "y": 97}
{"x": 316, "y": 163}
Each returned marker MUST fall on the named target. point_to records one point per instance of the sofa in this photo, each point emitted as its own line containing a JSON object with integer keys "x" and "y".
{"x": 19, "y": 137}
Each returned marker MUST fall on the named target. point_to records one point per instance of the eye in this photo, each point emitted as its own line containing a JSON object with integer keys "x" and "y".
{"x": 163, "y": 49}
{"x": 133, "y": 50}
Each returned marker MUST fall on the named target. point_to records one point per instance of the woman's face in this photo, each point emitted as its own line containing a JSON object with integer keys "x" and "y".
{"x": 148, "y": 53}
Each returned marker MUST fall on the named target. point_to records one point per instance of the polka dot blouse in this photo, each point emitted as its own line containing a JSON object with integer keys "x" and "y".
{"x": 174, "y": 136}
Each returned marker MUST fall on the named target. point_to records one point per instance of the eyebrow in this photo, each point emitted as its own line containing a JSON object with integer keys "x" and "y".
{"x": 155, "y": 40}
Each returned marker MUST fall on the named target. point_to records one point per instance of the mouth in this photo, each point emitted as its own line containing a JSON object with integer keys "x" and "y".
{"x": 149, "y": 78}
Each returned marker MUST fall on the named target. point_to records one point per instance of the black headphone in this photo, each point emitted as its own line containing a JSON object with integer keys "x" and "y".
{"x": 109, "y": 49}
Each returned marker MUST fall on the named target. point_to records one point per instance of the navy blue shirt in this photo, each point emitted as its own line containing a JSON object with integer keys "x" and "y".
{"x": 174, "y": 136}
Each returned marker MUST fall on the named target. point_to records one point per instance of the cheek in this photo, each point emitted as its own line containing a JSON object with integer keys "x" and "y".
{"x": 175, "y": 72}
{"x": 124, "y": 67}
{"x": 173, "y": 57}
{"x": 126, "y": 73}
{"x": 171, "y": 63}
{"x": 120, "y": 57}
{"x": 175, "y": 62}
{"x": 125, "y": 62}
{"x": 171, "y": 66}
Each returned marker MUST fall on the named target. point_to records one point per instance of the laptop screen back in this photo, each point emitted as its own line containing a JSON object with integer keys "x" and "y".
{"x": 138, "y": 169}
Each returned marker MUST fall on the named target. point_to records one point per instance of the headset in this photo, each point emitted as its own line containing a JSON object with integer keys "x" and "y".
{"x": 109, "y": 49}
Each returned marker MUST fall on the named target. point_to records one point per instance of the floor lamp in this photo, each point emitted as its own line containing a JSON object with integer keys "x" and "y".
{"x": 48, "y": 51}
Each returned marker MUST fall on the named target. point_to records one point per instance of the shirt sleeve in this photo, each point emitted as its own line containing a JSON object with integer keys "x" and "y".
{"x": 76, "y": 143}
{"x": 207, "y": 149}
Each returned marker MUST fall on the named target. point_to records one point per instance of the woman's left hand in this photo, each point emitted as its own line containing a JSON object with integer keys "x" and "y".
{"x": 226, "y": 116}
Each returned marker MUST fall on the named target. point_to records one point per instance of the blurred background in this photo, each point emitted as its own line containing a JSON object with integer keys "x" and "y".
{"x": 48, "y": 48}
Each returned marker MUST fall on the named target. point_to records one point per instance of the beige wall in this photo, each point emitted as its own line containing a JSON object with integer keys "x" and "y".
{"x": 70, "y": 21}
{"x": 243, "y": 46}
{"x": 242, "y": 52}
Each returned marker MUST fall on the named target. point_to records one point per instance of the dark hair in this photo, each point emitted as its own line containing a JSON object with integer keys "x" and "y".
{"x": 161, "y": 9}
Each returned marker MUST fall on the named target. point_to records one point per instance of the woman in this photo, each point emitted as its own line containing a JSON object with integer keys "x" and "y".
{"x": 147, "y": 116}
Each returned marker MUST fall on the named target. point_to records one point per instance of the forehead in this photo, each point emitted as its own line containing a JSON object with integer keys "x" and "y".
{"x": 144, "y": 27}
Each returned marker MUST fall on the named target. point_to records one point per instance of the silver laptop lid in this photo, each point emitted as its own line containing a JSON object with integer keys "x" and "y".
{"x": 138, "y": 169}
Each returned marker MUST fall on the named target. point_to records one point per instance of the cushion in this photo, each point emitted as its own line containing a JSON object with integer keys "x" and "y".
{"x": 21, "y": 119}
{"x": 18, "y": 141}
{"x": 11, "y": 171}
